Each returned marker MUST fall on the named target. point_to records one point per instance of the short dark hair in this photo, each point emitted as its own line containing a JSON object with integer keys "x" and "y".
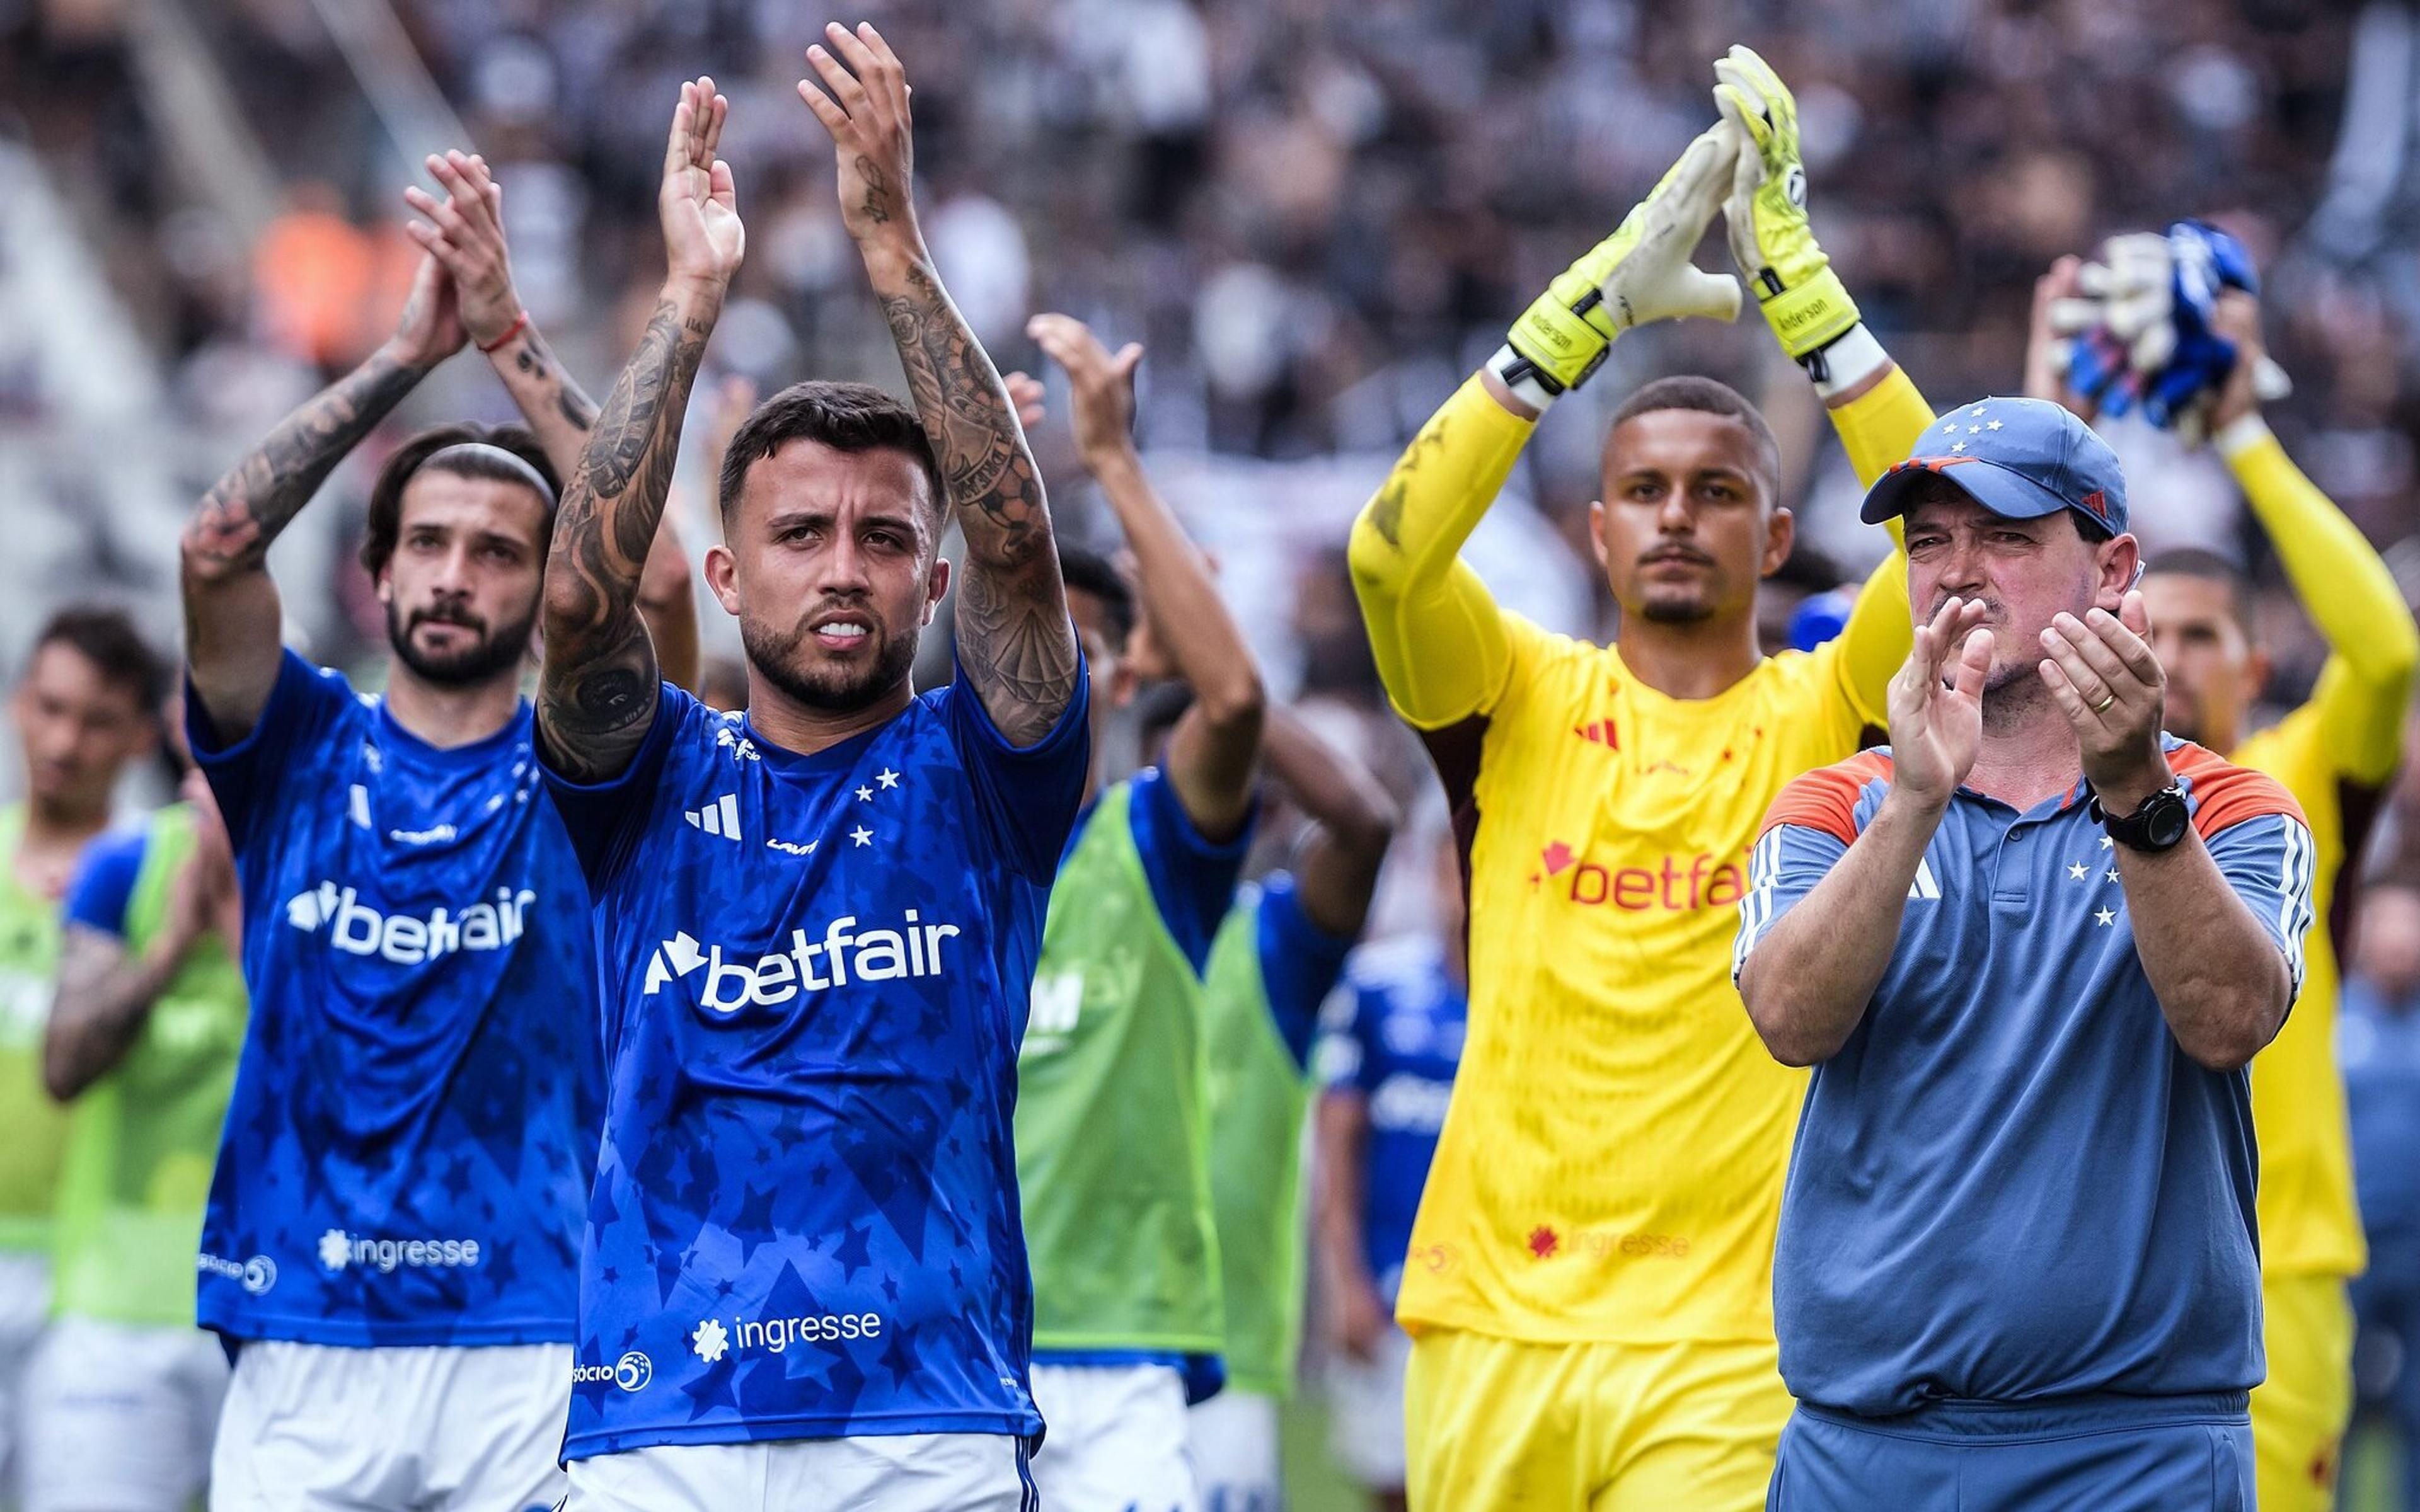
{"x": 107, "y": 638}
{"x": 1086, "y": 571}
{"x": 1706, "y": 397}
{"x": 2195, "y": 562}
{"x": 385, "y": 522}
{"x": 847, "y": 417}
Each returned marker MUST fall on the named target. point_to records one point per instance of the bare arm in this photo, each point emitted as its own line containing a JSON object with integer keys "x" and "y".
{"x": 1015, "y": 639}
{"x": 1806, "y": 978}
{"x": 1337, "y": 869}
{"x": 1341, "y": 1130}
{"x": 231, "y": 607}
{"x": 1216, "y": 746}
{"x": 600, "y": 688}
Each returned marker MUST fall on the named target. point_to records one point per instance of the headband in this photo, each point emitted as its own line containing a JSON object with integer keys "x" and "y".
{"x": 489, "y": 453}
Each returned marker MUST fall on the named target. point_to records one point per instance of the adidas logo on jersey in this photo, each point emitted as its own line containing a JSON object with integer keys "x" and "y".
{"x": 357, "y": 929}
{"x": 728, "y": 985}
{"x": 719, "y": 818}
{"x": 1924, "y": 888}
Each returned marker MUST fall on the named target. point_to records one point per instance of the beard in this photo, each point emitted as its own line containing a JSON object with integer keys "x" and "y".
{"x": 834, "y": 689}
{"x": 1676, "y": 611}
{"x": 483, "y": 660}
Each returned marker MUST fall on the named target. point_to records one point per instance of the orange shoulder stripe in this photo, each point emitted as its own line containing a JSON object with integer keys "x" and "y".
{"x": 2225, "y": 795}
{"x": 1826, "y": 797}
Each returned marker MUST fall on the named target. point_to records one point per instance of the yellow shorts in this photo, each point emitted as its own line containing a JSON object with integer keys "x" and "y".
{"x": 2299, "y": 1413}
{"x": 1494, "y": 1423}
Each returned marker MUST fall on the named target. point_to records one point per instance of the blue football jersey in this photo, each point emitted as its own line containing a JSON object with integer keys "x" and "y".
{"x": 409, "y": 1146}
{"x": 815, "y": 969}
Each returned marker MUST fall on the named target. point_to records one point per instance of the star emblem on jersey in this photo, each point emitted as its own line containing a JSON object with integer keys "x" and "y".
{"x": 888, "y": 777}
{"x": 2078, "y": 870}
{"x": 335, "y": 1249}
{"x": 2104, "y": 918}
{"x": 711, "y": 1340}
{"x": 862, "y": 834}
{"x": 865, "y": 795}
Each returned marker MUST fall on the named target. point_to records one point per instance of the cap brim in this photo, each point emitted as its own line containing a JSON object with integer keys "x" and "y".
{"x": 2007, "y": 494}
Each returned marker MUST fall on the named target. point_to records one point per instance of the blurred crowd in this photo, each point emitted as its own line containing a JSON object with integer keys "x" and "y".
{"x": 1317, "y": 215}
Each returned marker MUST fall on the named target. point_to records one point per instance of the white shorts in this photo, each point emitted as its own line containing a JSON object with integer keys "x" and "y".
{"x": 25, "y": 1307}
{"x": 1113, "y": 1439}
{"x": 122, "y": 1418}
{"x": 1235, "y": 1437}
{"x": 913, "y": 1473}
{"x": 1365, "y": 1427}
{"x": 312, "y": 1427}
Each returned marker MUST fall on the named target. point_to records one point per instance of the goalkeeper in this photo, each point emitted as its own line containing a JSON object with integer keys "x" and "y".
{"x": 1591, "y": 1271}
{"x": 2336, "y": 753}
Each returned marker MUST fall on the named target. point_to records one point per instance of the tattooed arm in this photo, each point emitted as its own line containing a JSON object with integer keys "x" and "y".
{"x": 599, "y": 691}
{"x": 231, "y": 607}
{"x": 1015, "y": 639}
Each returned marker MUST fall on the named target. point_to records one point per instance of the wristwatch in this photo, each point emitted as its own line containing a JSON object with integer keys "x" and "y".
{"x": 2157, "y": 824}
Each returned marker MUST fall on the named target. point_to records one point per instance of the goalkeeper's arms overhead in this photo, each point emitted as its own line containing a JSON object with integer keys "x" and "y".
{"x": 1440, "y": 642}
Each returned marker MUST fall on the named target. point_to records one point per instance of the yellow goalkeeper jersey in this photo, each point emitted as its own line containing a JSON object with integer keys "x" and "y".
{"x": 1611, "y": 1164}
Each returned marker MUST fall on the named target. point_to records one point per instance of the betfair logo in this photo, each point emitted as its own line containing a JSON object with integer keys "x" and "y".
{"x": 843, "y": 954}
{"x": 719, "y": 818}
{"x": 1676, "y": 884}
{"x": 357, "y": 929}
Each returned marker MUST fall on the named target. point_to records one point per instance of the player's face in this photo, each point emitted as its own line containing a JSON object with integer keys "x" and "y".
{"x": 1113, "y": 681}
{"x": 2214, "y": 670}
{"x": 462, "y": 590}
{"x": 1687, "y": 524}
{"x": 831, "y": 567}
{"x": 80, "y": 729}
{"x": 2025, "y": 573}
{"x": 2386, "y": 942}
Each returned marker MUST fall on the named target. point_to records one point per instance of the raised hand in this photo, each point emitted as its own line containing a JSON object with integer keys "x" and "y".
{"x": 2237, "y": 317}
{"x": 430, "y": 329}
{"x": 1103, "y": 384}
{"x": 703, "y": 238}
{"x": 2112, "y": 689}
{"x": 1026, "y": 395}
{"x": 1936, "y": 705}
{"x": 465, "y": 232}
{"x": 873, "y": 135}
{"x": 1765, "y": 215}
{"x": 2061, "y": 311}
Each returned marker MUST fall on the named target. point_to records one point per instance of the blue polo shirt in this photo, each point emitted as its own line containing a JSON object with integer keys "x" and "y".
{"x": 2011, "y": 1183}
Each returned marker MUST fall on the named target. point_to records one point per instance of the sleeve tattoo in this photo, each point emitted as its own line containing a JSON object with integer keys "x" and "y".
{"x": 1015, "y": 638}
{"x": 598, "y": 693}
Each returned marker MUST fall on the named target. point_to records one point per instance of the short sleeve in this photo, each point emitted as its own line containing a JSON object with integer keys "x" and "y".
{"x": 1027, "y": 796}
{"x": 1299, "y": 963}
{"x": 2268, "y": 861}
{"x": 103, "y": 882}
{"x": 1788, "y": 860}
{"x": 246, "y": 776}
{"x": 604, "y": 818}
{"x": 1192, "y": 877}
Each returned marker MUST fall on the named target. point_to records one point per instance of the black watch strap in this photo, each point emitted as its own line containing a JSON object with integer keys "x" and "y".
{"x": 2157, "y": 824}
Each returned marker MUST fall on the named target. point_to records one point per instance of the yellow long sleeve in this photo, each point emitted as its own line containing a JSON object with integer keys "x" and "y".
{"x": 1436, "y": 634}
{"x": 1878, "y": 428}
{"x": 2345, "y": 589}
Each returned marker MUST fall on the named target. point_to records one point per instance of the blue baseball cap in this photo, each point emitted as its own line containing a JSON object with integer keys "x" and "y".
{"x": 2019, "y": 459}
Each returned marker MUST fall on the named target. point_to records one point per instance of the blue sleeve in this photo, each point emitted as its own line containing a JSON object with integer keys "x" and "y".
{"x": 2267, "y": 861}
{"x": 1299, "y": 963}
{"x": 1783, "y": 869}
{"x": 603, "y": 818}
{"x": 1348, "y": 1057}
{"x": 1192, "y": 877}
{"x": 247, "y": 775}
{"x": 1027, "y": 796}
{"x": 104, "y": 881}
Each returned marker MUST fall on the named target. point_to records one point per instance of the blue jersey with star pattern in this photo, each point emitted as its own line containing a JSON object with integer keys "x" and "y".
{"x": 815, "y": 969}
{"x": 408, "y": 1145}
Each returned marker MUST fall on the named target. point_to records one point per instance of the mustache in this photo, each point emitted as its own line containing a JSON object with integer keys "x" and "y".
{"x": 1677, "y": 552}
{"x": 444, "y": 615}
{"x": 1992, "y": 611}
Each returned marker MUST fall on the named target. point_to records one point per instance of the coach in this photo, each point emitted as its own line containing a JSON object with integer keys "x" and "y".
{"x": 2029, "y": 949}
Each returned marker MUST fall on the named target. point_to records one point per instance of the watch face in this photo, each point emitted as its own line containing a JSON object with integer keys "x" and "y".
{"x": 2165, "y": 824}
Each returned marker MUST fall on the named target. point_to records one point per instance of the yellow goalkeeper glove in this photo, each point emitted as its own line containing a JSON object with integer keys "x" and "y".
{"x": 1804, "y": 300}
{"x": 1640, "y": 273}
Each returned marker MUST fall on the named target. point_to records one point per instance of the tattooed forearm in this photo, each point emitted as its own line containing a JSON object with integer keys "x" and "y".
{"x": 1014, "y": 635}
{"x": 104, "y": 995}
{"x": 246, "y": 509}
{"x": 599, "y": 691}
{"x": 551, "y": 400}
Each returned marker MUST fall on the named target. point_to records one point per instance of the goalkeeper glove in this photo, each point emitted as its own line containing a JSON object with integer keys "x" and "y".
{"x": 1804, "y": 300}
{"x": 1640, "y": 273}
